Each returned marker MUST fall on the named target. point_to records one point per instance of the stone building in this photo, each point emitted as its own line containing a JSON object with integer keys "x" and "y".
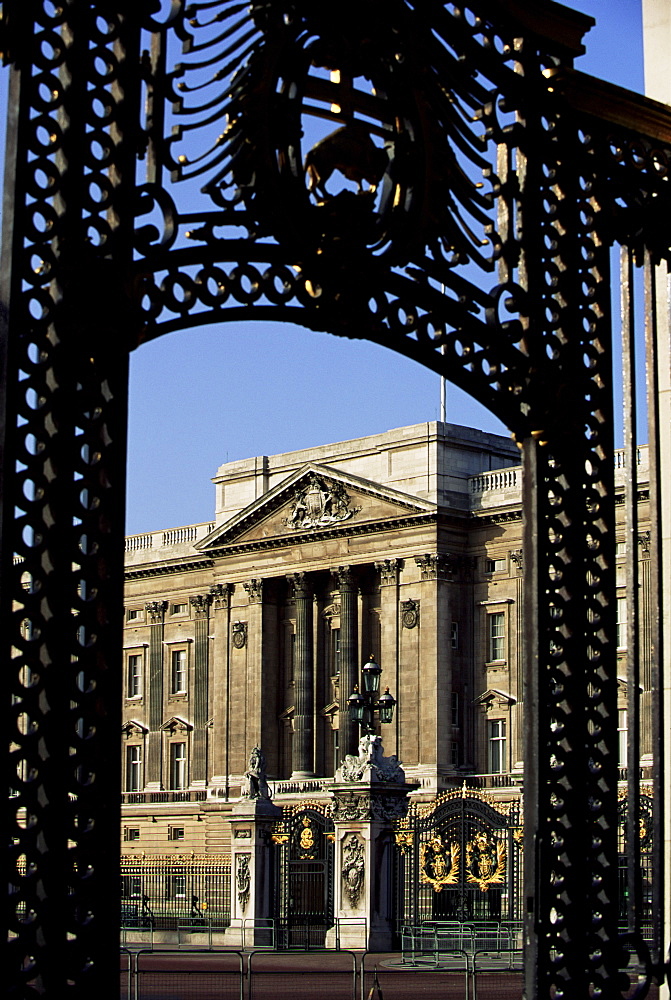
{"x": 252, "y": 629}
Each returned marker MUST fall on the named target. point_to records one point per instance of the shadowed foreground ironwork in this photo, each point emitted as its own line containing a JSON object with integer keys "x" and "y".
{"x": 485, "y": 182}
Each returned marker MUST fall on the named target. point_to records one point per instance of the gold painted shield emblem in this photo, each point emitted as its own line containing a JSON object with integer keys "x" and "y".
{"x": 485, "y": 861}
{"x": 439, "y": 864}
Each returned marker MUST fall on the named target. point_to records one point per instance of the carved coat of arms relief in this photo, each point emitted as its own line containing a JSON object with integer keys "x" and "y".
{"x": 319, "y": 503}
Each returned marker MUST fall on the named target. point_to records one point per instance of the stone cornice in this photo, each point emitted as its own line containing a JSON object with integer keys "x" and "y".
{"x": 285, "y": 541}
{"x": 498, "y": 517}
{"x": 160, "y": 569}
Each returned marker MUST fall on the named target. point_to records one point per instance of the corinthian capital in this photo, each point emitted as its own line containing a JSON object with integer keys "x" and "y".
{"x": 344, "y": 577}
{"x": 201, "y": 604}
{"x": 156, "y": 611}
{"x": 389, "y": 570}
{"x": 254, "y": 590}
{"x": 300, "y": 584}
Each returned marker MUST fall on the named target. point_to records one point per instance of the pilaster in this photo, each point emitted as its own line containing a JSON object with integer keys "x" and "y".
{"x": 517, "y": 686}
{"x": 153, "y": 766}
{"x": 220, "y": 595}
{"x": 390, "y": 661}
{"x": 200, "y": 606}
{"x": 437, "y": 572}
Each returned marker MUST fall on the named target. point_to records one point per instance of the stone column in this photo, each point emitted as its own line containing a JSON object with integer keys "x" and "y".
{"x": 349, "y": 656}
{"x": 368, "y": 795}
{"x": 247, "y": 640}
{"x": 153, "y": 765}
{"x": 201, "y": 659}
{"x": 304, "y": 727}
{"x": 252, "y": 875}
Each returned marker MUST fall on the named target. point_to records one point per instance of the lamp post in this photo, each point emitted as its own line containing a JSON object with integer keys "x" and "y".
{"x": 363, "y": 705}
{"x": 369, "y": 795}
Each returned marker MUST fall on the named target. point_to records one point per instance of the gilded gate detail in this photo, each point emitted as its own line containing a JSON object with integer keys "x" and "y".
{"x": 459, "y": 858}
{"x": 304, "y": 874}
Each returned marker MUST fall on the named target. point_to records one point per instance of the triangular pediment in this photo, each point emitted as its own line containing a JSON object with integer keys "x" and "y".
{"x": 313, "y": 500}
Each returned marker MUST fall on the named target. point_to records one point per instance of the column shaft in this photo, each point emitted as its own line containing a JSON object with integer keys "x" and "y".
{"x": 349, "y": 660}
{"x": 303, "y": 744}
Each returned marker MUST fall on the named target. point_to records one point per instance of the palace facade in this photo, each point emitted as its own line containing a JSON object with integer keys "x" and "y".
{"x": 251, "y": 629}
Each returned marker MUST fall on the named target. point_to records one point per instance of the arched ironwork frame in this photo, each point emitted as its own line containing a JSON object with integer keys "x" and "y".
{"x": 487, "y": 180}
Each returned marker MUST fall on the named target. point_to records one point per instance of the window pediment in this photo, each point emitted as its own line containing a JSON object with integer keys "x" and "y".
{"x": 176, "y": 725}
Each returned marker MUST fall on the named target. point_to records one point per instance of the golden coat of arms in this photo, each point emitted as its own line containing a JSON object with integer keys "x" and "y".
{"x": 307, "y": 840}
{"x": 485, "y": 861}
{"x": 439, "y": 863}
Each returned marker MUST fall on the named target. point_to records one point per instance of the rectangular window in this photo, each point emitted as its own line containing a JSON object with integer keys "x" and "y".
{"x": 179, "y": 609}
{"x": 177, "y": 886}
{"x": 454, "y": 754}
{"x": 134, "y": 675}
{"x": 178, "y": 765}
{"x": 455, "y": 710}
{"x": 622, "y": 732}
{"x": 131, "y": 834}
{"x": 497, "y": 746}
{"x": 454, "y": 635}
{"x": 178, "y": 681}
{"x": 131, "y": 885}
{"x": 133, "y": 769}
{"x": 620, "y": 550}
{"x": 496, "y": 565}
{"x": 133, "y": 614}
{"x": 496, "y": 626}
{"x": 622, "y": 623}
{"x": 176, "y": 833}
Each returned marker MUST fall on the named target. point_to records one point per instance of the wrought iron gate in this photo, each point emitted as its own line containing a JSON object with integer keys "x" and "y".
{"x": 460, "y": 858}
{"x": 482, "y": 253}
{"x": 304, "y": 893}
{"x": 644, "y": 850}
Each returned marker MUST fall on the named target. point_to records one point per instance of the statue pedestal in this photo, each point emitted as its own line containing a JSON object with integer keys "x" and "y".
{"x": 251, "y": 873}
{"x": 370, "y": 793}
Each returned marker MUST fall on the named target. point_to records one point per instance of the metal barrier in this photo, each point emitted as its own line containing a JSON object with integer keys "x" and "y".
{"x": 332, "y": 975}
{"x": 199, "y": 928}
{"x": 497, "y": 973}
{"x": 193, "y": 975}
{"x": 125, "y": 974}
{"x": 494, "y": 970}
{"x": 398, "y": 980}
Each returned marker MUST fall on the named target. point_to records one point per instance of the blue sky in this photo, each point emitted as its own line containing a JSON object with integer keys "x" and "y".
{"x": 201, "y": 398}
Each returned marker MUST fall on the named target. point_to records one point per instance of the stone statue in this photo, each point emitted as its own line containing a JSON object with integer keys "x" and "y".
{"x": 257, "y": 785}
{"x": 371, "y": 764}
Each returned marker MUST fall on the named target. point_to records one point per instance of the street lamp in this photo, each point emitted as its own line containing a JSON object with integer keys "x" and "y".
{"x": 362, "y": 705}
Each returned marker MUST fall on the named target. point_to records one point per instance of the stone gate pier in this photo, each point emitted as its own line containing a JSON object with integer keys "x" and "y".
{"x": 369, "y": 793}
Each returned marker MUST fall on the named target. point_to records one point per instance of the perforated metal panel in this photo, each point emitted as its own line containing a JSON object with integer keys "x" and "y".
{"x": 482, "y": 253}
